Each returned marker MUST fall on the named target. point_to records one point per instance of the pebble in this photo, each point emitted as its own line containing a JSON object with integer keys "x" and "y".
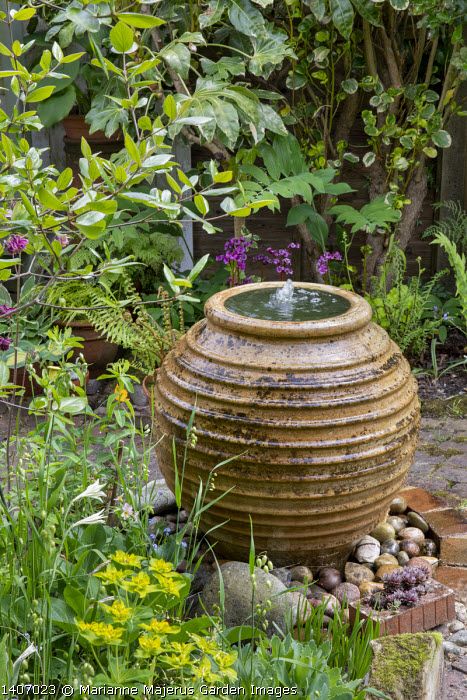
{"x": 461, "y": 612}
{"x": 397, "y": 522}
{"x": 450, "y": 648}
{"x": 329, "y": 578}
{"x": 92, "y": 387}
{"x": 331, "y": 604}
{"x": 383, "y": 532}
{"x": 347, "y": 591}
{"x": 416, "y": 520}
{"x": 182, "y": 516}
{"x": 386, "y": 569}
{"x": 138, "y": 397}
{"x": 432, "y": 561}
{"x": 455, "y": 626}
{"x": 367, "y": 550}
{"x": 390, "y": 547}
{"x": 299, "y": 585}
{"x": 357, "y": 573}
{"x": 460, "y": 638}
{"x": 403, "y": 558}
{"x": 410, "y": 547}
{"x": 301, "y": 574}
{"x": 386, "y": 560}
{"x": 315, "y": 591}
{"x": 398, "y": 506}
{"x": 429, "y": 548}
{"x": 422, "y": 563}
{"x": 369, "y": 587}
{"x": 412, "y": 533}
{"x": 283, "y": 575}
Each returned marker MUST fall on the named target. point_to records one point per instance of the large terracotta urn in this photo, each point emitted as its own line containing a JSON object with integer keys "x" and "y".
{"x": 321, "y": 417}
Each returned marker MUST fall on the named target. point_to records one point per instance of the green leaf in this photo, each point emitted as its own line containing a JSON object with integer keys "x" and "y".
{"x": 170, "y": 107}
{"x": 212, "y": 14}
{"x": 201, "y": 204}
{"x": 122, "y": 38}
{"x": 225, "y": 176}
{"x": 40, "y": 94}
{"x": 246, "y": 18}
{"x": 24, "y": 14}
{"x": 135, "y": 19}
{"x": 430, "y": 152}
{"x": 349, "y": 86}
{"x": 369, "y": 10}
{"x": 198, "y": 268}
{"x": 90, "y": 218}
{"x": 368, "y": 159}
{"x": 317, "y": 228}
{"x": 57, "y": 107}
{"x": 299, "y": 214}
{"x": 399, "y": 4}
{"x": 177, "y": 57}
{"x": 318, "y": 8}
{"x": 342, "y": 16}
{"x": 441, "y": 138}
{"x": 132, "y": 149}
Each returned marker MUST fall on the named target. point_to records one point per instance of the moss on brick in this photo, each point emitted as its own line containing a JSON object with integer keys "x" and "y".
{"x": 400, "y": 660}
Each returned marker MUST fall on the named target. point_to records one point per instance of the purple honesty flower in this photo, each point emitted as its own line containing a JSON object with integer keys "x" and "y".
{"x": 323, "y": 261}
{"x": 15, "y": 244}
{"x": 63, "y": 239}
{"x": 4, "y": 342}
{"x": 235, "y": 257}
{"x": 281, "y": 258}
{"x": 167, "y": 531}
{"x": 6, "y": 310}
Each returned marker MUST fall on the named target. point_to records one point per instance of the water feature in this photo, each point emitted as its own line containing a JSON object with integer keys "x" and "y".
{"x": 287, "y": 303}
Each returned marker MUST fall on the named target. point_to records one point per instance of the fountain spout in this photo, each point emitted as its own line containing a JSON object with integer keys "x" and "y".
{"x": 284, "y": 295}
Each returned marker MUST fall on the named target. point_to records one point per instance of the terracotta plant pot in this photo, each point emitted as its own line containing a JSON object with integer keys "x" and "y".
{"x": 75, "y": 128}
{"x": 321, "y": 417}
{"x": 97, "y": 351}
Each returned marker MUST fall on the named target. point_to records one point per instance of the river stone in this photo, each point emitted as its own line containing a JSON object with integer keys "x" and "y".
{"x": 450, "y": 648}
{"x": 429, "y": 548}
{"x": 412, "y": 533}
{"x": 432, "y": 561}
{"x": 330, "y": 601}
{"x": 383, "y": 531}
{"x": 455, "y": 626}
{"x": 301, "y": 573}
{"x": 418, "y": 561}
{"x": 410, "y": 547}
{"x": 459, "y": 638}
{"x": 386, "y": 560}
{"x": 367, "y": 550}
{"x": 238, "y": 591}
{"x": 315, "y": 591}
{"x": 397, "y": 522}
{"x": 390, "y": 547}
{"x": 157, "y": 496}
{"x": 461, "y": 612}
{"x": 403, "y": 558}
{"x": 386, "y": 569}
{"x": 347, "y": 591}
{"x": 329, "y": 578}
{"x": 369, "y": 587}
{"x": 398, "y": 506}
{"x": 416, "y": 520}
{"x": 283, "y": 575}
{"x": 357, "y": 573}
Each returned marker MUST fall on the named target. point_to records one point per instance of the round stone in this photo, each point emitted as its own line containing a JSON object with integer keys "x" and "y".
{"x": 390, "y": 547}
{"x": 329, "y": 578}
{"x": 387, "y": 569}
{"x": 301, "y": 573}
{"x": 416, "y": 520}
{"x": 347, "y": 591}
{"x": 383, "y": 532}
{"x": 397, "y": 522}
{"x": 369, "y": 587}
{"x": 367, "y": 550}
{"x": 315, "y": 591}
{"x": 356, "y": 573}
{"x": 432, "y": 561}
{"x": 455, "y": 626}
{"x": 410, "y": 547}
{"x": 386, "y": 560}
{"x": 398, "y": 506}
{"x": 403, "y": 558}
{"x": 412, "y": 533}
{"x": 422, "y": 564}
{"x": 429, "y": 548}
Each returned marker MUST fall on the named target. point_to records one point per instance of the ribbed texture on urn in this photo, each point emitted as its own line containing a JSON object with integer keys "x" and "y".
{"x": 322, "y": 420}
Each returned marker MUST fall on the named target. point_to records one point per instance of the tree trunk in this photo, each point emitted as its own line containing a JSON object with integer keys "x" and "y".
{"x": 310, "y": 251}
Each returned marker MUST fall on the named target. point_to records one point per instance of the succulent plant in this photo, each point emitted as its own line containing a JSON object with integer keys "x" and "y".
{"x": 401, "y": 587}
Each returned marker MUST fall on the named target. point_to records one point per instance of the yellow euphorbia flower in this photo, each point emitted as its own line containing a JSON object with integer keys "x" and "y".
{"x": 170, "y": 586}
{"x": 113, "y": 575}
{"x": 104, "y": 633}
{"x": 140, "y": 584}
{"x": 161, "y": 567}
{"x": 118, "y": 610}
{"x": 207, "y": 646}
{"x": 127, "y": 559}
{"x": 225, "y": 661}
{"x": 150, "y": 644}
{"x": 205, "y": 673}
{"x": 160, "y": 627}
{"x": 180, "y": 656}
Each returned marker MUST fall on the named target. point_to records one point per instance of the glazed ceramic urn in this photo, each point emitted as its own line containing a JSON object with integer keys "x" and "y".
{"x": 321, "y": 418}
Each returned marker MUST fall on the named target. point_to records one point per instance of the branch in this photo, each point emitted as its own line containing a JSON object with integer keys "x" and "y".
{"x": 393, "y": 69}
{"x": 370, "y": 58}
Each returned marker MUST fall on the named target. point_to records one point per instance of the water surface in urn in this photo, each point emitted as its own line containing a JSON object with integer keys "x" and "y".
{"x": 287, "y": 303}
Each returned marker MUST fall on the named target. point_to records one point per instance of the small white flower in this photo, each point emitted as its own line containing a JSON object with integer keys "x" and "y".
{"x": 92, "y": 519}
{"x": 127, "y": 511}
{"x": 92, "y": 491}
